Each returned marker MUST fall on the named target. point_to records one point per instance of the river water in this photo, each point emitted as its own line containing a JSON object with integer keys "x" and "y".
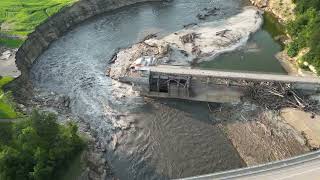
{"x": 149, "y": 139}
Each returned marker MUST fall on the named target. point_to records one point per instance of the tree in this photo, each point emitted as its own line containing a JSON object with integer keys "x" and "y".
{"x": 37, "y": 148}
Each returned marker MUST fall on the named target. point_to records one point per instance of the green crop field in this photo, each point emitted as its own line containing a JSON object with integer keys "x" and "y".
{"x": 7, "y": 110}
{"x": 20, "y": 17}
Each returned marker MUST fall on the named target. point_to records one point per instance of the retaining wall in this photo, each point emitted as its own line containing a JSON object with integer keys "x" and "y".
{"x": 58, "y": 24}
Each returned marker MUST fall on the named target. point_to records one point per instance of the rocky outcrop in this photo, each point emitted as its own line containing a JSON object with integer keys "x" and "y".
{"x": 283, "y": 10}
{"x": 57, "y": 25}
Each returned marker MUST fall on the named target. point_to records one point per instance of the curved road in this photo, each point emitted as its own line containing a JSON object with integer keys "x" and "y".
{"x": 302, "y": 167}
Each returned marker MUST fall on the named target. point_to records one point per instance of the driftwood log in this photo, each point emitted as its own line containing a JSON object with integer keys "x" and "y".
{"x": 188, "y": 38}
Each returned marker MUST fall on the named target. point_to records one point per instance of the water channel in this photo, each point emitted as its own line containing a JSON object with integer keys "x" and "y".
{"x": 166, "y": 138}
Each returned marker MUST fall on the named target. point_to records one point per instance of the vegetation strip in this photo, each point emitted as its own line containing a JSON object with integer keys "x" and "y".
{"x": 305, "y": 32}
{"x": 19, "y": 18}
{"x": 37, "y": 148}
{"x": 7, "y": 106}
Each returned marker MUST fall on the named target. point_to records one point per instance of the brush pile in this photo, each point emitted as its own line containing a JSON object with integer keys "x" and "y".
{"x": 275, "y": 96}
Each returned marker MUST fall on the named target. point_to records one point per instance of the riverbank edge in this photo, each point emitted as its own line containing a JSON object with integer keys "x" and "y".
{"x": 96, "y": 166}
{"x": 288, "y": 63}
{"x": 60, "y": 23}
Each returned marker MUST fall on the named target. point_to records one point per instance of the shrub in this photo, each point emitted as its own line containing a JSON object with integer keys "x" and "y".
{"x": 293, "y": 49}
{"x": 305, "y": 31}
{"x": 37, "y": 148}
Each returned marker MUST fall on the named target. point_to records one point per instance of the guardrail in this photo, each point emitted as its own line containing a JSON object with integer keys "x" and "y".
{"x": 272, "y": 166}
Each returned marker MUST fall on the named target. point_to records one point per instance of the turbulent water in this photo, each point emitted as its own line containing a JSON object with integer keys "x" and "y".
{"x": 149, "y": 139}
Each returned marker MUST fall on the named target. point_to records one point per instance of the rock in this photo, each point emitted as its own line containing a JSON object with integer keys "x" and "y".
{"x": 189, "y": 25}
{"x": 283, "y": 10}
{"x": 22, "y": 107}
{"x": 5, "y": 55}
{"x": 62, "y": 101}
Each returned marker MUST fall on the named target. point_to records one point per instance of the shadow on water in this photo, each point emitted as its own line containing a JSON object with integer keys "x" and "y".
{"x": 272, "y": 25}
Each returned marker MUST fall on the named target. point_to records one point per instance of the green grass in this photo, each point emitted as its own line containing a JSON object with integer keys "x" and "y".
{"x": 7, "y": 110}
{"x": 11, "y": 43}
{"x": 20, "y": 17}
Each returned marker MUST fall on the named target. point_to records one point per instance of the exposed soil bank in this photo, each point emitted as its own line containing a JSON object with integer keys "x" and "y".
{"x": 282, "y": 9}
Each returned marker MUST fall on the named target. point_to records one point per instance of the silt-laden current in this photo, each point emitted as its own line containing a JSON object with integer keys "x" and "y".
{"x": 149, "y": 139}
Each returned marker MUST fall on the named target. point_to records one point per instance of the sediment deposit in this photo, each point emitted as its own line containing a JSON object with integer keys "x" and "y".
{"x": 193, "y": 44}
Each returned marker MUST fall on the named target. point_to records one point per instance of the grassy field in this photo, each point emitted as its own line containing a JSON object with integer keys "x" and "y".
{"x": 20, "y": 17}
{"x": 7, "y": 110}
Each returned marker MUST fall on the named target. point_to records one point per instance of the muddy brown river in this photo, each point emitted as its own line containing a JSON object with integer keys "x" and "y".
{"x": 147, "y": 139}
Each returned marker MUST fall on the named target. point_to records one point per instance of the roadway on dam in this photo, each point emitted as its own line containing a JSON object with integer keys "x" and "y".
{"x": 234, "y": 75}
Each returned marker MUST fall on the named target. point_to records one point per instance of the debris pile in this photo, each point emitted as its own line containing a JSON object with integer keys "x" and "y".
{"x": 275, "y": 96}
{"x": 189, "y": 38}
{"x": 190, "y": 45}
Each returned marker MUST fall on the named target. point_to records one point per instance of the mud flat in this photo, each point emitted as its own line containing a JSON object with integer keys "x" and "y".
{"x": 259, "y": 136}
{"x": 193, "y": 44}
{"x": 307, "y": 124}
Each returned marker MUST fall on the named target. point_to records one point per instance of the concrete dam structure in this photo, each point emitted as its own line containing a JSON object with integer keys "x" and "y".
{"x": 210, "y": 86}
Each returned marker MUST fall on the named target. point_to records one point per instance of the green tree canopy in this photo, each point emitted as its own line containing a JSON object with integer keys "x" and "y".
{"x": 36, "y": 148}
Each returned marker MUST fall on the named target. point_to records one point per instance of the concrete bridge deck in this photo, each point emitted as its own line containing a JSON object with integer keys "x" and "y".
{"x": 212, "y": 86}
{"x": 234, "y": 75}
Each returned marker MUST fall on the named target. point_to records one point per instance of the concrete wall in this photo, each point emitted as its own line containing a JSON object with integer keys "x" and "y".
{"x": 57, "y": 25}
